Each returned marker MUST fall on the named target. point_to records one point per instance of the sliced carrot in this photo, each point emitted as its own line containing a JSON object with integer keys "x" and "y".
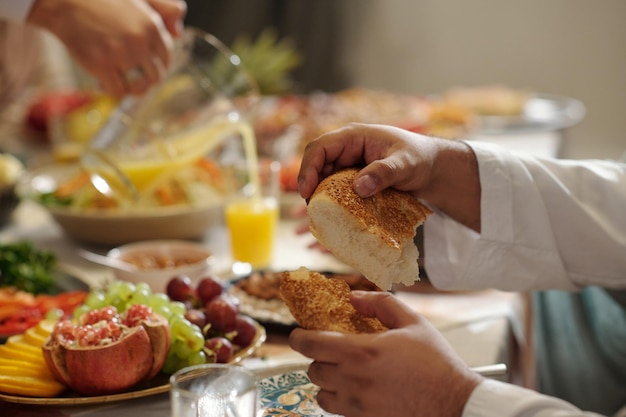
{"x": 69, "y": 187}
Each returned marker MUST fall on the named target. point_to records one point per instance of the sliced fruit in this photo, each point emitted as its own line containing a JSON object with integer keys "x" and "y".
{"x": 45, "y": 327}
{"x": 17, "y": 341}
{"x": 12, "y": 352}
{"x": 14, "y": 370}
{"x": 30, "y": 386}
{"x": 31, "y": 337}
{"x": 22, "y": 364}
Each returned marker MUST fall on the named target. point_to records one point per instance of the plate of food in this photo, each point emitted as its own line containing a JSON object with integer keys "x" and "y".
{"x": 126, "y": 341}
{"x": 505, "y": 110}
{"x": 540, "y": 113}
{"x": 157, "y": 385}
{"x": 184, "y": 206}
{"x": 259, "y": 295}
{"x": 290, "y": 394}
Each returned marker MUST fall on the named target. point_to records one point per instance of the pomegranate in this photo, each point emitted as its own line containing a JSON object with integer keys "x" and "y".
{"x": 106, "y": 352}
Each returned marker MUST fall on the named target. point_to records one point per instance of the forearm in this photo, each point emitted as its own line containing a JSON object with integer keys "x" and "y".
{"x": 454, "y": 186}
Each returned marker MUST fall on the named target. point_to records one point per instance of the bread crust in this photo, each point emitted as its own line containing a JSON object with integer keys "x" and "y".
{"x": 373, "y": 235}
{"x": 321, "y": 303}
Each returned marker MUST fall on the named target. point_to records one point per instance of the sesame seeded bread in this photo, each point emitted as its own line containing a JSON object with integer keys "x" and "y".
{"x": 374, "y": 235}
{"x": 321, "y": 303}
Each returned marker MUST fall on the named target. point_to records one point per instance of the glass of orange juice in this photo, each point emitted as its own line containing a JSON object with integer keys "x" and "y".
{"x": 252, "y": 218}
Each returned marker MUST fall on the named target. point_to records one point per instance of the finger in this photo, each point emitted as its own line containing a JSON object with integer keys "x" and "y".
{"x": 135, "y": 81}
{"x": 153, "y": 70}
{"x": 331, "y": 152}
{"x": 172, "y": 12}
{"x": 324, "y": 375}
{"x": 390, "y": 172}
{"x": 113, "y": 84}
{"x": 303, "y": 228}
{"x": 389, "y": 309}
{"x": 327, "y": 400}
{"x": 334, "y": 403}
{"x": 321, "y": 346}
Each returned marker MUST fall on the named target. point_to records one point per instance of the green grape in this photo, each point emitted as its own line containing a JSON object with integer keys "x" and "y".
{"x": 177, "y": 323}
{"x": 182, "y": 349}
{"x": 54, "y": 314}
{"x": 183, "y": 328}
{"x": 111, "y": 299}
{"x": 143, "y": 287}
{"x": 80, "y": 310}
{"x": 163, "y": 311}
{"x": 197, "y": 358}
{"x": 120, "y": 304}
{"x": 174, "y": 327}
{"x": 158, "y": 299}
{"x": 122, "y": 289}
{"x": 140, "y": 296}
{"x": 196, "y": 341}
{"x": 176, "y": 307}
{"x": 95, "y": 299}
{"x": 172, "y": 363}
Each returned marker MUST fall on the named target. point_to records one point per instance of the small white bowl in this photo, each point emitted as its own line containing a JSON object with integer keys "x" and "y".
{"x": 161, "y": 260}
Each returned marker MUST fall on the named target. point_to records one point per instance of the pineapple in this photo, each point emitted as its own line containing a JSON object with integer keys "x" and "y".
{"x": 268, "y": 60}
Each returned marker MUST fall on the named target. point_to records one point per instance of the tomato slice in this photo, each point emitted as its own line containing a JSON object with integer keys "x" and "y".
{"x": 21, "y": 321}
{"x": 28, "y": 317}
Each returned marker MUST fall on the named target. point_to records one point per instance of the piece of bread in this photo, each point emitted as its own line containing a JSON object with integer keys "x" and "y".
{"x": 321, "y": 303}
{"x": 374, "y": 235}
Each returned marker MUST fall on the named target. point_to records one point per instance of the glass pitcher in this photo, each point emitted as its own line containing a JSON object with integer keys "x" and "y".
{"x": 204, "y": 100}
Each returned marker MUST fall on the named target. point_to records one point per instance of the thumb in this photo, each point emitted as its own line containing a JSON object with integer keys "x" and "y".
{"x": 386, "y": 307}
{"x": 383, "y": 173}
{"x": 172, "y": 13}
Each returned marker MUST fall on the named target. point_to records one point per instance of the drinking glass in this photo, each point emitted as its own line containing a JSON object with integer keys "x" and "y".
{"x": 214, "y": 390}
{"x": 202, "y": 102}
{"x": 252, "y": 214}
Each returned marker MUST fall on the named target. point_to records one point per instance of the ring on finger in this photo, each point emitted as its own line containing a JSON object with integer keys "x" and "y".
{"x": 134, "y": 74}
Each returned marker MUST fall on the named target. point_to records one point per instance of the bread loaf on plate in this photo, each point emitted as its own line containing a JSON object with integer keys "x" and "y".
{"x": 374, "y": 235}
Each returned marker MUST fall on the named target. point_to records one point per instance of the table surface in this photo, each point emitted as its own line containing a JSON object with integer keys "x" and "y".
{"x": 479, "y": 325}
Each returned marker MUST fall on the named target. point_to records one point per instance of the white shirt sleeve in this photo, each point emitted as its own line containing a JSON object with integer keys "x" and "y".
{"x": 546, "y": 224}
{"x": 497, "y": 399}
{"x": 15, "y": 9}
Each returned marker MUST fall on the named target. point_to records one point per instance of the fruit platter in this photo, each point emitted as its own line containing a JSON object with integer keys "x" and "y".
{"x": 123, "y": 341}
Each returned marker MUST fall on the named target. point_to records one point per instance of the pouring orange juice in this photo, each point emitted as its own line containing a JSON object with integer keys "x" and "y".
{"x": 252, "y": 220}
{"x": 199, "y": 105}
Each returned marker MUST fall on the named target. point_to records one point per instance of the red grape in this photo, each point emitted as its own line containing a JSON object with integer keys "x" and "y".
{"x": 218, "y": 349}
{"x": 196, "y": 317}
{"x": 221, "y": 313}
{"x": 180, "y": 288}
{"x": 207, "y": 289}
{"x": 246, "y": 331}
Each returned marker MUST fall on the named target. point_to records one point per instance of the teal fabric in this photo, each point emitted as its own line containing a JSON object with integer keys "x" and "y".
{"x": 580, "y": 341}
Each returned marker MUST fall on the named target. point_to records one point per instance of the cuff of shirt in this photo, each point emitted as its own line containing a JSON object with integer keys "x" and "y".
{"x": 498, "y": 399}
{"x": 15, "y": 9}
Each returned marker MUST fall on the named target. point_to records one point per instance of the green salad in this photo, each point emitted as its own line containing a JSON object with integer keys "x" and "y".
{"x": 27, "y": 268}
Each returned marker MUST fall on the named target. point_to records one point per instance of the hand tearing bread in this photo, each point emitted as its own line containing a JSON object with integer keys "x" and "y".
{"x": 321, "y": 303}
{"x": 374, "y": 235}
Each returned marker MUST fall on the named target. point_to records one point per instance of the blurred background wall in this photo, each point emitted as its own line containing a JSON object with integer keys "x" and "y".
{"x": 569, "y": 47}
